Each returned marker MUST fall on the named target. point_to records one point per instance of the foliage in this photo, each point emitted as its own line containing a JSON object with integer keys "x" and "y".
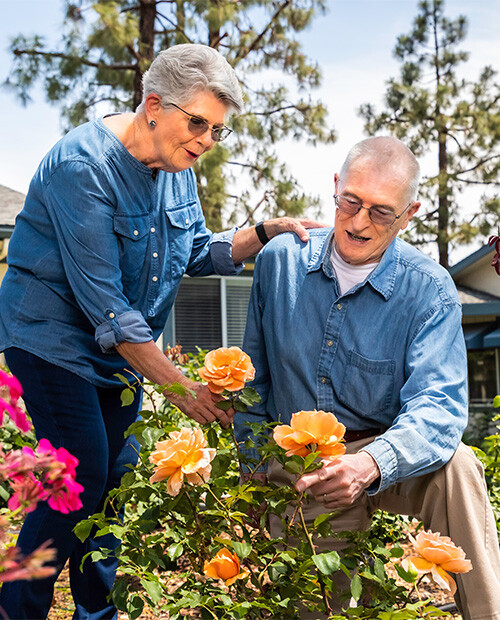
{"x": 106, "y": 46}
{"x": 456, "y": 119}
{"x": 489, "y": 455}
{"x": 161, "y": 532}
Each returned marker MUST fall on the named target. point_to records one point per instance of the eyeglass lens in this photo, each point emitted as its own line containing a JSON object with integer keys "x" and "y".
{"x": 198, "y": 126}
{"x": 376, "y": 214}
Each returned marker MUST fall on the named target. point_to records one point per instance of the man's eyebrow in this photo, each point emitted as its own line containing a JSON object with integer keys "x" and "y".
{"x": 348, "y": 194}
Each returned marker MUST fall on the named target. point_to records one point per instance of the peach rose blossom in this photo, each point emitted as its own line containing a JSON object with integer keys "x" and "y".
{"x": 227, "y": 369}
{"x": 437, "y": 554}
{"x": 312, "y": 431}
{"x": 185, "y": 454}
{"x": 225, "y": 565}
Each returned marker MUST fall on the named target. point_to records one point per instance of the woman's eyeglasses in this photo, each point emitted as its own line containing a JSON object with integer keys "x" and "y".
{"x": 198, "y": 126}
{"x": 378, "y": 215}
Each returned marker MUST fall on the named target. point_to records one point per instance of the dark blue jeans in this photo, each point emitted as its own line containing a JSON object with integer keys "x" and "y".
{"x": 90, "y": 423}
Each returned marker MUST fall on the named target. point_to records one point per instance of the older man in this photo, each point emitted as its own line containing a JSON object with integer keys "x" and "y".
{"x": 358, "y": 322}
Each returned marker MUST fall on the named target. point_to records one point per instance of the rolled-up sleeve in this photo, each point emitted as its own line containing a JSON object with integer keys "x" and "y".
{"x": 221, "y": 247}
{"x": 80, "y": 204}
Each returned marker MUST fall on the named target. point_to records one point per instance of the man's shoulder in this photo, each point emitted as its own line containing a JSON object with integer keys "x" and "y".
{"x": 426, "y": 270}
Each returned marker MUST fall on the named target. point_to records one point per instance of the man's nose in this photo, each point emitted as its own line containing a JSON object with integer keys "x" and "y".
{"x": 361, "y": 219}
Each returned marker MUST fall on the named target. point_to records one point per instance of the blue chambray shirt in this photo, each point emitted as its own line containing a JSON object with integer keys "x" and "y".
{"x": 98, "y": 253}
{"x": 388, "y": 354}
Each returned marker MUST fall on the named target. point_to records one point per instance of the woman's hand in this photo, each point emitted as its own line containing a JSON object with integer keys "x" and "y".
{"x": 246, "y": 243}
{"x": 202, "y": 408}
{"x": 148, "y": 360}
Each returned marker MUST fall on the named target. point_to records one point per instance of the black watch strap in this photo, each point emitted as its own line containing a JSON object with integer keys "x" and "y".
{"x": 261, "y": 233}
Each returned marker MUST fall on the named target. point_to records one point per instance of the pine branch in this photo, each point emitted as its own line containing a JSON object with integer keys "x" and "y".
{"x": 88, "y": 63}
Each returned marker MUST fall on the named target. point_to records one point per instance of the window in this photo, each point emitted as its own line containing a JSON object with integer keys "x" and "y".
{"x": 483, "y": 375}
{"x": 209, "y": 313}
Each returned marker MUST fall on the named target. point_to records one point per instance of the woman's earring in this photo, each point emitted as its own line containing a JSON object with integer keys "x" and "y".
{"x": 152, "y": 123}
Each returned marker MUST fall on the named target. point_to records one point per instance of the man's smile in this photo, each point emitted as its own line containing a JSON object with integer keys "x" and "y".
{"x": 357, "y": 238}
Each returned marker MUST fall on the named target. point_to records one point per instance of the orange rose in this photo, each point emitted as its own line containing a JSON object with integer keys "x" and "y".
{"x": 184, "y": 454}
{"x": 312, "y": 431}
{"x": 225, "y": 565}
{"x": 436, "y": 555}
{"x": 227, "y": 369}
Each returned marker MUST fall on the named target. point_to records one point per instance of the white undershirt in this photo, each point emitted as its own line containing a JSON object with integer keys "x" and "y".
{"x": 349, "y": 275}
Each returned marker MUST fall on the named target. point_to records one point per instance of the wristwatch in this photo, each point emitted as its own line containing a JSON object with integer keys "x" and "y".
{"x": 261, "y": 233}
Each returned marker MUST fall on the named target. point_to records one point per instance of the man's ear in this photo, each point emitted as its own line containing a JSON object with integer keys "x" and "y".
{"x": 336, "y": 179}
{"x": 409, "y": 214}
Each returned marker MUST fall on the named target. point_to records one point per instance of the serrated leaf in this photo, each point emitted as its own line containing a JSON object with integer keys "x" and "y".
{"x": 327, "y": 563}
{"x": 293, "y": 467}
{"x": 356, "y": 587}
{"x": 121, "y": 378}
{"x": 496, "y": 401}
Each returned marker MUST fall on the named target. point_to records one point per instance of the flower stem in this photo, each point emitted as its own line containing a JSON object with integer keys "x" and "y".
{"x": 326, "y": 601}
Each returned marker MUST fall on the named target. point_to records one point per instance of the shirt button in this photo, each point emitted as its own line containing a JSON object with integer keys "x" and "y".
{"x": 136, "y": 232}
{"x": 155, "y": 278}
{"x": 324, "y": 380}
{"x": 111, "y": 315}
{"x": 339, "y": 306}
{"x": 153, "y": 229}
{"x": 330, "y": 343}
{"x": 187, "y": 221}
{"x": 155, "y": 254}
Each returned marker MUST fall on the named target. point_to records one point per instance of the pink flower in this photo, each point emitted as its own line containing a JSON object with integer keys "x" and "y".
{"x": 11, "y": 389}
{"x": 28, "y": 491}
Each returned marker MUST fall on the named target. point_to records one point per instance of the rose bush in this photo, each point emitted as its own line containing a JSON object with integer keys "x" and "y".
{"x": 225, "y": 566}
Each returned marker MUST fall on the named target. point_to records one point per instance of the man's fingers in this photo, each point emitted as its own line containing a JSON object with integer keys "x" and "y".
{"x": 307, "y": 222}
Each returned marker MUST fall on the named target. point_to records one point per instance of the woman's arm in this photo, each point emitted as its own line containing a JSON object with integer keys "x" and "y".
{"x": 246, "y": 243}
{"x": 149, "y": 361}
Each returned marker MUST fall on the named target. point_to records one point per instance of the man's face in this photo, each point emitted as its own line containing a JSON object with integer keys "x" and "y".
{"x": 358, "y": 240}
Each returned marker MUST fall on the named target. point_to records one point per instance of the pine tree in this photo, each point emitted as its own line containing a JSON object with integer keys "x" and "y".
{"x": 433, "y": 110}
{"x": 106, "y": 46}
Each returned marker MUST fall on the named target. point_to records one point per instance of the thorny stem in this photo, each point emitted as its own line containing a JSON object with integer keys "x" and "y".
{"x": 309, "y": 539}
{"x": 197, "y": 520}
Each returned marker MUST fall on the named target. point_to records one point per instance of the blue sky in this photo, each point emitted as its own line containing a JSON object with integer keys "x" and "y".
{"x": 353, "y": 44}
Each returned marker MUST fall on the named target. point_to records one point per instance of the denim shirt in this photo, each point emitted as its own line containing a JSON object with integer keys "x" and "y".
{"x": 389, "y": 354}
{"x": 98, "y": 253}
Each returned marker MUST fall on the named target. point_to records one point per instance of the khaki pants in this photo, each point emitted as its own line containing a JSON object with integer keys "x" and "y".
{"x": 452, "y": 501}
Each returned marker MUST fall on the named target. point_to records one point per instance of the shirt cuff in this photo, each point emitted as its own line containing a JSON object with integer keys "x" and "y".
{"x": 128, "y": 327}
{"x": 221, "y": 246}
{"x": 385, "y": 457}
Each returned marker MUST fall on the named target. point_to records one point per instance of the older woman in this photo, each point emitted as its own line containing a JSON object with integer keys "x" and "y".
{"x": 111, "y": 222}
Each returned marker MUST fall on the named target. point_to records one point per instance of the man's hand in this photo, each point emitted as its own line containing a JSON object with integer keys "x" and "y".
{"x": 202, "y": 408}
{"x": 340, "y": 483}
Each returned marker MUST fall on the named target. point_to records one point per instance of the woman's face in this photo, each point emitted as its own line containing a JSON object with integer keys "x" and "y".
{"x": 176, "y": 148}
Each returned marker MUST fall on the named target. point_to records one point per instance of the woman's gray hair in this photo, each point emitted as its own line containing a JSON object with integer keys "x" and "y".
{"x": 181, "y": 72}
{"x": 387, "y": 153}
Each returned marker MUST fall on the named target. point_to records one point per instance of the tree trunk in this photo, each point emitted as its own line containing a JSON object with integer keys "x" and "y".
{"x": 443, "y": 205}
{"x": 147, "y": 18}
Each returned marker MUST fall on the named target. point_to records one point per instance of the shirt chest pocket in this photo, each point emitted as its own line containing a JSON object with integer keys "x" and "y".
{"x": 181, "y": 232}
{"x": 367, "y": 385}
{"x": 132, "y": 232}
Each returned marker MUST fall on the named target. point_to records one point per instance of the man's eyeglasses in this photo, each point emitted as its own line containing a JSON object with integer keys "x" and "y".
{"x": 378, "y": 215}
{"x": 198, "y": 126}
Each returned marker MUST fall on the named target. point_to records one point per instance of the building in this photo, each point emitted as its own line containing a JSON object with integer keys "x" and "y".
{"x": 11, "y": 202}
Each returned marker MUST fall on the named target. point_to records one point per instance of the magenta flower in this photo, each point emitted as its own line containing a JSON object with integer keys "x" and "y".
{"x": 10, "y": 392}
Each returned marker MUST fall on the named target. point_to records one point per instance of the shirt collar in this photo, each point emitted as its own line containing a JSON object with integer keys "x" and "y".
{"x": 382, "y": 278}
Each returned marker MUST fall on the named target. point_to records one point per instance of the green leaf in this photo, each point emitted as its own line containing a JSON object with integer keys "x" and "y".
{"x": 410, "y": 575}
{"x": 356, "y": 587}
{"x": 327, "y": 563}
{"x": 175, "y": 550}
{"x": 122, "y": 378}
{"x": 239, "y": 406}
{"x": 153, "y": 588}
{"x": 496, "y": 401}
{"x": 127, "y": 397}
{"x": 82, "y": 530}
{"x": 212, "y": 438}
{"x": 224, "y": 405}
{"x": 242, "y": 549}
{"x": 293, "y": 467}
